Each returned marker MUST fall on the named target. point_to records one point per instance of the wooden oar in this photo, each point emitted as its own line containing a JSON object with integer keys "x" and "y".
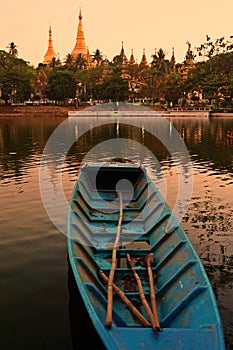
{"x": 113, "y": 267}
{"x": 142, "y": 295}
{"x": 149, "y": 259}
{"x": 124, "y": 298}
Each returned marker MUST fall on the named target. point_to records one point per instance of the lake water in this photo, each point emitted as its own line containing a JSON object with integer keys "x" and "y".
{"x": 39, "y": 305}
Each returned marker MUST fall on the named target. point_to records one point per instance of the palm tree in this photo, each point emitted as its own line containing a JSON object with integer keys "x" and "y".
{"x": 12, "y": 49}
{"x": 69, "y": 62}
{"x": 97, "y": 57}
{"x": 162, "y": 63}
{"x": 80, "y": 62}
{"x": 54, "y": 63}
{"x": 160, "y": 68}
{"x": 159, "y": 62}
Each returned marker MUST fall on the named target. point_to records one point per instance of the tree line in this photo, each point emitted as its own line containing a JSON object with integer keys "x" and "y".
{"x": 205, "y": 76}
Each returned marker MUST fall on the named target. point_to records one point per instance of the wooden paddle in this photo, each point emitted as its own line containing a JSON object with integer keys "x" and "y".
{"x": 113, "y": 267}
{"x": 129, "y": 304}
{"x": 149, "y": 259}
{"x": 142, "y": 295}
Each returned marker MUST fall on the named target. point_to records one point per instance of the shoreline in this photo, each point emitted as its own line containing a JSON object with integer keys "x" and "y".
{"x": 62, "y": 111}
{"x": 31, "y": 111}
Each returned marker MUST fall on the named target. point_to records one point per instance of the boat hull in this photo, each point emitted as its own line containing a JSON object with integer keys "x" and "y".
{"x": 186, "y": 304}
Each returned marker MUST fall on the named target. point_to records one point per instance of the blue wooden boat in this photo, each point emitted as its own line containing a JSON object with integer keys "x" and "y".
{"x": 186, "y": 305}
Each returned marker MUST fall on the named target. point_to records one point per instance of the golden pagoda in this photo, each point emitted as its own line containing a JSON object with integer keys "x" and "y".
{"x": 80, "y": 46}
{"x": 50, "y": 54}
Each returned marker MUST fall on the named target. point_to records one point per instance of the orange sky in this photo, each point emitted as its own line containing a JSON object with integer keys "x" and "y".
{"x": 145, "y": 24}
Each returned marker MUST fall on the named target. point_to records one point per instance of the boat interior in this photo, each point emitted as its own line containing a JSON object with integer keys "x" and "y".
{"x": 148, "y": 226}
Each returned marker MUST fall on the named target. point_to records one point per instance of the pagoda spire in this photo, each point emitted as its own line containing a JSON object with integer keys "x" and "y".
{"x": 144, "y": 60}
{"x": 122, "y": 53}
{"x": 50, "y": 54}
{"x": 173, "y": 60}
{"x": 132, "y": 59}
{"x": 80, "y": 47}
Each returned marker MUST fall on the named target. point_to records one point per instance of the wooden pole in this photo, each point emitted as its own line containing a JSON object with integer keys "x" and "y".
{"x": 113, "y": 267}
{"x": 150, "y": 259}
{"x": 142, "y": 295}
{"x": 124, "y": 298}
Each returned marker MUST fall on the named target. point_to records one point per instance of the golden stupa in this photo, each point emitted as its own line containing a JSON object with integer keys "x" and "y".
{"x": 80, "y": 45}
{"x": 50, "y": 54}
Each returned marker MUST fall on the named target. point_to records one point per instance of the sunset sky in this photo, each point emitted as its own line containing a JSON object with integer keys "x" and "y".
{"x": 145, "y": 24}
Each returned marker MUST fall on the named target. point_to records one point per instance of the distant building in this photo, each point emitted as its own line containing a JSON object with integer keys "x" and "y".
{"x": 136, "y": 74}
{"x": 80, "y": 48}
{"x": 144, "y": 60}
{"x": 132, "y": 59}
{"x": 50, "y": 54}
{"x": 40, "y": 85}
{"x": 123, "y": 55}
{"x": 173, "y": 60}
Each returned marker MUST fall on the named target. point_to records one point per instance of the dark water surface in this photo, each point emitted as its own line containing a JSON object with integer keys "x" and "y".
{"x": 38, "y": 298}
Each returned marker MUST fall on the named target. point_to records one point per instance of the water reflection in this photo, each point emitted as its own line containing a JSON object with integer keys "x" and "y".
{"x": 209, "y": 218}
{"x": 208, "y": 140}
{"x": 22, "y": 141}
{"x": 84, "y": 336}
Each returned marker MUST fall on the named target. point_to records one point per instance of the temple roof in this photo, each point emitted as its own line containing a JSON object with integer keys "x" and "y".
{"x": 50, "y": 54}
